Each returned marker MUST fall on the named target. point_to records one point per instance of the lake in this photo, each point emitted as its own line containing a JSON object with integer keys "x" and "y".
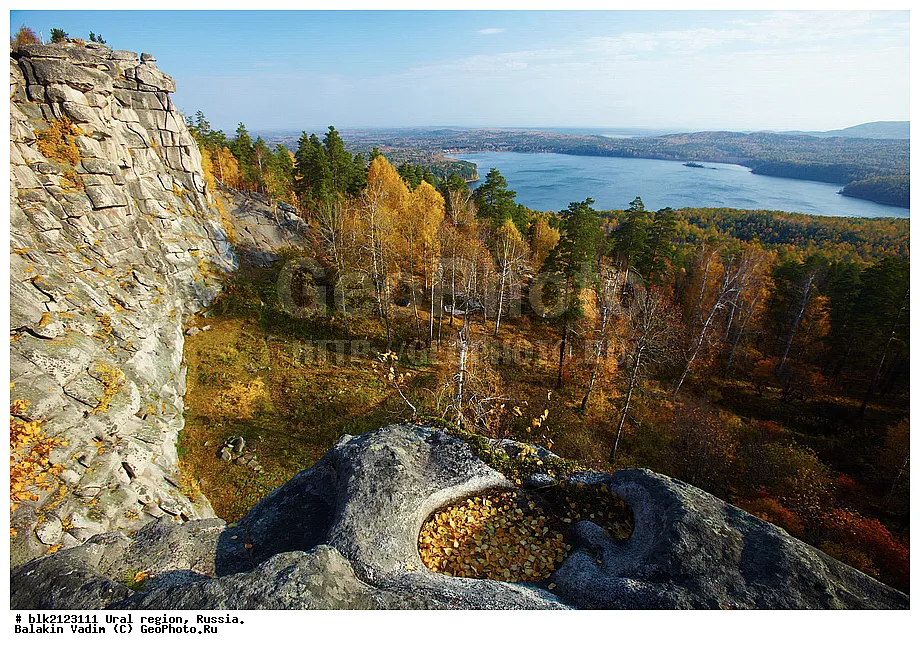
{"x": 550, "y": 181}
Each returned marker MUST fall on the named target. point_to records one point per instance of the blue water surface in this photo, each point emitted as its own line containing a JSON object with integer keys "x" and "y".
{"x": 550, "y": 181}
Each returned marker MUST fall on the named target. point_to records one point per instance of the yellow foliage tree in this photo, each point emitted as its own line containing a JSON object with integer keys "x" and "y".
{"x": 423, "y": 218}
{"x": 208, "y": 169}
{"x": 24, "y": 36}
{"x": 338, "y": 225}
{"x": 384, "y": 202}
{"x": 543, "y": 240}
{"x": 227, "y": 168}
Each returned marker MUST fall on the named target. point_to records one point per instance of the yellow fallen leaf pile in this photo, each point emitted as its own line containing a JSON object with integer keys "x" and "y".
{"x": 499, "y": 536}
{"x": 508, "y": 536}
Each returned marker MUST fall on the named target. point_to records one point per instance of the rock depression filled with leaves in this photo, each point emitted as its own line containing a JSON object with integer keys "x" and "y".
{"x": 514, "y": 536}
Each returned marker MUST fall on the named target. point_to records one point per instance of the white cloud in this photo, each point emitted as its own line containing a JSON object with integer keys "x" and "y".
{"x": 491, "y": 30}
{"x": 776, "y": 31}
{"x": 488, "y": 64}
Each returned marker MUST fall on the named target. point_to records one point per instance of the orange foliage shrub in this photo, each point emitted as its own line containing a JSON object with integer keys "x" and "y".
{"x": 802, "y": 381}
{"x": 58, "y": 142}
{"x": 852, "y": 531}
{"x": 849, "y": 491}
{"x": 769, "y": 509}
{"x": 764, "y": 374}
{"x": 770, "y": 431}
{"x": 31, "y": 469}
{"x": 795, "y": 478}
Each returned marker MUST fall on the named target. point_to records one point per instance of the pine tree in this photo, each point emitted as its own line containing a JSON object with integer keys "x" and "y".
{"x": 652, "y": 259}
{"x": 573, "y": 262}
{"x": 629, "y": 240}
{"x": 242, "y": 148}
{"x": 340, "y": 164}
{"x": 312, "y": 168}
{"x": 494, "y": 201}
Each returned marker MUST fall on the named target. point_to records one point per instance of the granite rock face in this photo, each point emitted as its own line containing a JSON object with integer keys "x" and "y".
{"x": 115, "y": 242}
{"x": 691, "y": 550}
{"x": 343, "y": 534}
{"x": 261, "y": 229}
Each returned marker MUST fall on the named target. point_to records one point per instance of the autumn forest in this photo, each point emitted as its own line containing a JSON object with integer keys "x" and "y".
{"x": 761, "y": 356}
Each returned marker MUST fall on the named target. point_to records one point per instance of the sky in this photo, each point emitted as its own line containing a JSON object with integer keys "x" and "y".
{"x": 670, "y": 70}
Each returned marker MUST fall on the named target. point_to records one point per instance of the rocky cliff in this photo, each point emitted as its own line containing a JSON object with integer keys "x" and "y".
{"x": 115, "y": 240}
{"x": 344, "y": 534}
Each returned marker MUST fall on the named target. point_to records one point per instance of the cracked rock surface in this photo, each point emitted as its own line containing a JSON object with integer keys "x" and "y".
{"x": 115, "y": 241}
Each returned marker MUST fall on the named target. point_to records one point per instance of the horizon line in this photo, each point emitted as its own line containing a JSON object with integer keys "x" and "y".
{"x": 663, "y": 130}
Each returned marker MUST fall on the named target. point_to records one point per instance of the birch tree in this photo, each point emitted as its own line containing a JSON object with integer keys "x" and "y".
{"x": 542, "y": 241}
{"x": 383, "y": 202}
{"x": 651, "y": 329}
{"x": 509, "y": 253}
{"x": 427, "y": 216}
{"x": 338, "y": 231}
{"x": 728, "y": 277}
{"x": 607, "y": 303}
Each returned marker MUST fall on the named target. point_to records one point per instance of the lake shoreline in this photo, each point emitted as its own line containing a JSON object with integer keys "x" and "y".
{"x": 780, "y": 193}
{"x": 723, "y": 160}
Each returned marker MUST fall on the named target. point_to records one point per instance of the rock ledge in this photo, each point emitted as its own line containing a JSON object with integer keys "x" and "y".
{"x": 343, "y": 534}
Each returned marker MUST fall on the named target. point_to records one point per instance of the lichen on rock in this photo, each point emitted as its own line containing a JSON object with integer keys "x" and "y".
{"x": 116, "y": 241}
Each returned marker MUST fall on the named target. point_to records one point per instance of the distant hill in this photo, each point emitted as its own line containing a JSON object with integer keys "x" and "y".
{"x": 870, "y": 130}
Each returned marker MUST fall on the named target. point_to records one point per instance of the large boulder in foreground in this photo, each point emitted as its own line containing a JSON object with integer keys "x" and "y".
{"x": 690, "y": 550}
{"x": 343, "y": 534}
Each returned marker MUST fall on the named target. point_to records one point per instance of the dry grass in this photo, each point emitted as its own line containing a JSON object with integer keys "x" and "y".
{"x": 253, "y": 376}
